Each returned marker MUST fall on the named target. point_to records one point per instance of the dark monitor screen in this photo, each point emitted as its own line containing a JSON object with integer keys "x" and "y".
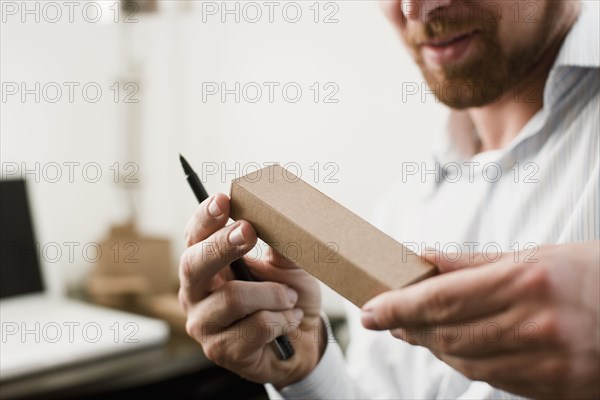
{"x": 19, "y": 263}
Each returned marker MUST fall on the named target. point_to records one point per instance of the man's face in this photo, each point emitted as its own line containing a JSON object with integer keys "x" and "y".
{"x": 472, "y": 52}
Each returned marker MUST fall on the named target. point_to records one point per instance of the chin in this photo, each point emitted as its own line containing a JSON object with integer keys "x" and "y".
{"x": 464, "y": 92}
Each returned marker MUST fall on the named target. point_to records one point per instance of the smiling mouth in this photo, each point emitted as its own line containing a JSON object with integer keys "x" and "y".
{"x": 448, "y": 49}
{"x": 448, "y": 40}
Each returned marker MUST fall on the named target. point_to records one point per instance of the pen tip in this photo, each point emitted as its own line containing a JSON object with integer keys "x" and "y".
{"x": 185, "y": 165}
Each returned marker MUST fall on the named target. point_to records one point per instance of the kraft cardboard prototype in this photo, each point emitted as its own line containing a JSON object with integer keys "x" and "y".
{"x": 335, "y": 245}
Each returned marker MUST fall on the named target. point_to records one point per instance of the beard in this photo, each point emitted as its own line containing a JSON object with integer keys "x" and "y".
{"x": 489, "y": 71}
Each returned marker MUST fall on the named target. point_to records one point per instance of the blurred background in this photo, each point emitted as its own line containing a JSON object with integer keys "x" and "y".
{"x": 99, "y": 97}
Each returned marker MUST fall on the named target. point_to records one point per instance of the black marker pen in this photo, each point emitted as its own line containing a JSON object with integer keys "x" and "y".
{"x": 240, "y": 270}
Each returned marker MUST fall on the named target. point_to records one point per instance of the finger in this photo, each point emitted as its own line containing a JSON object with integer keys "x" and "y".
{"x": 262, "y": 328}
{"x": 536, "y": 373}
{"x": 200, "y": 262}
{"x": 450, "y": 298}
{"x": 274, "y": 267}
{"x": 235, "y": 300}
{"x": 290, "y": 274}
{"x": 211, "y": 215}
{"x": 448, "y": 262}
{"x": 506, "y": 332}
{"x": 277, "y": 259}
{"x": 245, "y": 343}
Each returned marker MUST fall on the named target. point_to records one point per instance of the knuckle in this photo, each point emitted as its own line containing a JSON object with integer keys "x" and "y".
{"x": 190, "y": 240}
{"x": 232, "y": 296}
{"x": 187, "y": 229}
{"x": 215, "y": 249}
{"x": 470, "y": 370}
{"x": 279, "y": 294}
{"x": 263, "y": 319}
{"x": 187, "y": 238}
{"x": 181, "y": 297}
{"x": 557, "y": 371}
{"x": 548, "y": 327}
{"x": 200, "y": 217}
{"x": 405, "y": 336}
{"x": 186, "y": 262}
{"x": 191, "y": 328}
{"x": 234, "y": 358}
{"x": 191, "y": 233}
{"x": 397, "y": 333}
{"x": 436, "y": 309}
{"x": 268, "y": 328}
{"x": 386, "y": 314}
{"x": 214, "y": 352}
{"x": 536, "y": 280}
{"x": 445, "y": 345}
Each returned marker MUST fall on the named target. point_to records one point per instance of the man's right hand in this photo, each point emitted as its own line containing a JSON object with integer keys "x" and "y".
{"x": 236, "y": 321}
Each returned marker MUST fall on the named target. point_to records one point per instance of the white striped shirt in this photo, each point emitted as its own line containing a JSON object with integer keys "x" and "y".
{"x": 542, "y": 188}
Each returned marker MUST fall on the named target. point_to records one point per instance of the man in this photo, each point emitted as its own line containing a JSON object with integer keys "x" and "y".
{"x": 518, "y": 181}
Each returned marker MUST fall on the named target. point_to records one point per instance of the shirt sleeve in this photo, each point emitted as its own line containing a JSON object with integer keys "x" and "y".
{"x": 329, "y": 379}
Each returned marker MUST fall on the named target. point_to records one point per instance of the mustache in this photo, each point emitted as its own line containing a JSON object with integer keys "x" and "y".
{"x": 440, "y": 28}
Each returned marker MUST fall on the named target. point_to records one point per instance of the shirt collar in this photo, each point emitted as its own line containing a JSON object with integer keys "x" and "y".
{"x": 580, "y": 49}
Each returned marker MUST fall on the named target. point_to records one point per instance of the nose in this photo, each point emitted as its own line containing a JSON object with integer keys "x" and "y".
{"x": 420, "y": 10}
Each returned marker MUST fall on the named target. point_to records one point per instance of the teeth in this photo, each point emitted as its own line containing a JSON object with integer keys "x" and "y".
{"x": 447, "y": 42}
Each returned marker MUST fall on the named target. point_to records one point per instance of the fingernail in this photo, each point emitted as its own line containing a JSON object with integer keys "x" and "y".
{"x": 298, "y": 313}
{"x": 213, "y": 208}
{"x": 292, "y": 295}
{"x": 236, "y": 237}
{"x": 367, "y": 317}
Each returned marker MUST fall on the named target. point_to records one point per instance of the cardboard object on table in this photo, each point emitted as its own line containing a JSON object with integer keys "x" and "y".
{"x": 130, "y": 266}
{"x": 335, "y": 245}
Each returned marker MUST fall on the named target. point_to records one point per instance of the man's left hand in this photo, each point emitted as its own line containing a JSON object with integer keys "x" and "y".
{"x": 525, "y": 323}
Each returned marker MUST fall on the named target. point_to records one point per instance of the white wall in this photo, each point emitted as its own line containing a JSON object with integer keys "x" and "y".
{"x": 366, "y": 134}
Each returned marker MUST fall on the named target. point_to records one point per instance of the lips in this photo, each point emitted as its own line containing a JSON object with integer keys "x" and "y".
{"x": 451, "y": 48}
{"x": 448, "y": 40}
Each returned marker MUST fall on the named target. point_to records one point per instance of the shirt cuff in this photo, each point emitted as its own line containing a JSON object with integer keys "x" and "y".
{"x": 327, "y": 380}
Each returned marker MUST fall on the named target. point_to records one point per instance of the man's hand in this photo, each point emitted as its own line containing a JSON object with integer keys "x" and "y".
{"x": 528, "y": 324}
{"x": 235, "y": 321}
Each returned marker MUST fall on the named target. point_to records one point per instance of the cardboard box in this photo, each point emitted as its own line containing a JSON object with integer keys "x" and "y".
{"x": 131, "y": 265}
{"x": 335, "y": 245}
